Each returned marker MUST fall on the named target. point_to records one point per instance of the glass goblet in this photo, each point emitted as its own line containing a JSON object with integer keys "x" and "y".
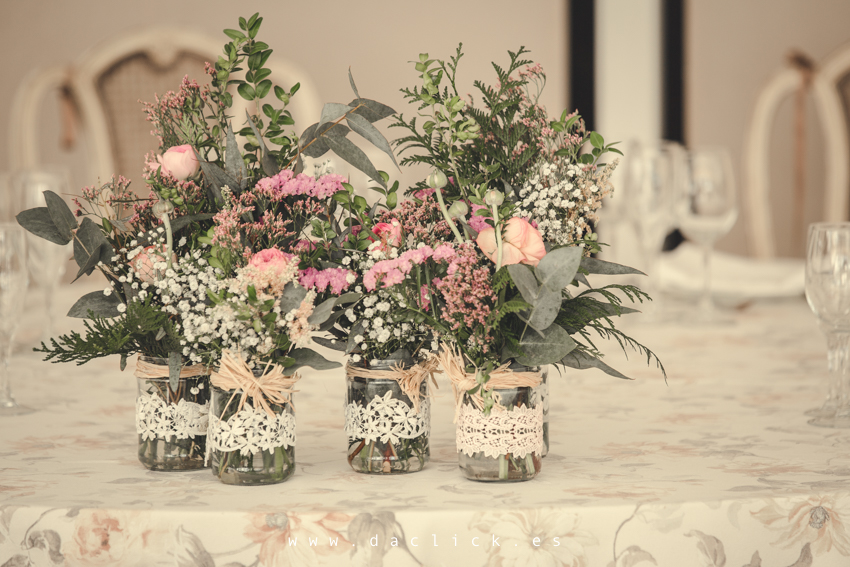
{"x": 828, "y": 294}
{"x": 706, "y": 208}
{"x": 13, "y": 286}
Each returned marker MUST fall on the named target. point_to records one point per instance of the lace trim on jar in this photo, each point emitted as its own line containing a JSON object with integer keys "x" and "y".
{"x": 155, "y": 418}
{"x": 387, "y": 419}
{"x": 518, "y": 432}
{"x": 251, "y": 431}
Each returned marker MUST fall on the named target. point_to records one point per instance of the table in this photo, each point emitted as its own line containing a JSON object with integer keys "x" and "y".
{"x": 717, "y": 467}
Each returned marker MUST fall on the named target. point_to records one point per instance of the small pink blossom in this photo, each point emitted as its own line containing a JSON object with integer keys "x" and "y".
{"x": 335, "y": 279}
{"x": 478, "y": 223}
{"x": 423, "y": 194}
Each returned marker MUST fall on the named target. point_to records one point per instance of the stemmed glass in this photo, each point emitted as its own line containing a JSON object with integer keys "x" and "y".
{"x": 13, "y": 286}
{"x": 46, "y": 260}
{"x": 649, "y": 194}
{"x": 828, "y": 294}
{"x": 706, "y": 208}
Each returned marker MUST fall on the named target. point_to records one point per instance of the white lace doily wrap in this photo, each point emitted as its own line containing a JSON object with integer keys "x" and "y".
{"x": 155, "y": 418}
{"x": 388, "y": 419}
{"x": 518, "y": 432}
{"x": 250, "y": 431}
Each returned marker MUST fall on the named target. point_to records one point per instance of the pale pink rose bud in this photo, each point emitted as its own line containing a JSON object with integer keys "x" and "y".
{"x": 521, "y": 243}
{"x": 437, "y": 179}
{"x": 180, "y": 162}
{"x": 143, "y": 264}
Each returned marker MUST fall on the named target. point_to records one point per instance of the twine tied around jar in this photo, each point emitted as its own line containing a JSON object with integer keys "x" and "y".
{"x": 501, "y": 378}
{"x": 234, "y": 374}
{"x": 146, "y": 370}
{"x": 409, "y": 379}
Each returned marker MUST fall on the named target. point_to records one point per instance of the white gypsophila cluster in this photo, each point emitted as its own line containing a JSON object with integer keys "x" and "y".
{"x": 563, "y": 199}
{"x": 381, "y": 335}
{"x": 183, "y": 292}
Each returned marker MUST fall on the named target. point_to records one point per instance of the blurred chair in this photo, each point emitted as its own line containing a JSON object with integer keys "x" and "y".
{"x": 100, "y": 94}
{"x": 828, "y": 85}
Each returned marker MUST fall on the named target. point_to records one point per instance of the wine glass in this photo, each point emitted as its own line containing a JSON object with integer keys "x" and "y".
{"x": 47, "y": 261}
{"x": 828, "y": 294}
{"x": 706, "y": 208}
{"x": 649, "y": 194}
{"x": 13, "y": 286}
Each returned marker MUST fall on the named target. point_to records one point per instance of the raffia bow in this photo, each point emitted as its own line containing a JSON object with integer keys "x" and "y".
{"x": 234, "y": 374}
{"x": 409, "y": 379}
{"x": 500, "y": 379}
{"x": 146, "y": 370}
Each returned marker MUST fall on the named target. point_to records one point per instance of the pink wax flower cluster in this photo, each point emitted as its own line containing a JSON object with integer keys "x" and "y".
{"x": 287, "y": 184}
{"x": 521, "y": 243}
{"x": 179, "y": 162}
{"x": 335, "y": 279}
{"x": 392, "y": 272}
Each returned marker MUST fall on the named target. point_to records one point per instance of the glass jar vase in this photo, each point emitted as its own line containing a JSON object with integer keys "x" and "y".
{"x": 171, "y": 424}
{"x": 504, "y": 446}
{"x": 249, "y": 446}
{"x": 386, "y": 435}
{"x": 540, "y": 395}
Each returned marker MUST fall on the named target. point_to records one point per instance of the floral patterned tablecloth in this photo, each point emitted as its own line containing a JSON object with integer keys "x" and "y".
{"x": 717, "y": 467}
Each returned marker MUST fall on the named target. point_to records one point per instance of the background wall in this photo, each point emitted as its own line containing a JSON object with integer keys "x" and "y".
{"x": 733, "y": 47}
{"x": 377, "y": 39}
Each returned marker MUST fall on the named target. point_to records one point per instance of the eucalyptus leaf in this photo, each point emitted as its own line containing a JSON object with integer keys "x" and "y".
{"x": 330, "y": 322}
{"x": 525, "y": 282}
{"x": 89, "y": 241}
{"x": 89, "y": 265}
{"x": 123, "y": 364}
{"x": 322, "y": 311}
{"x": 594, "y": 266}
{"x": 582, "y": 279}
{"x": 558, "y": 268}
{"x": 61, "y": 215}
{"x": 333, "y": 111}
{"x": 291, "y": 298}
{"x": 365, "y": 129}
{"x": 37, "y": 221}
{"x": 554, "y": 344}
{"x": 333, "y": 344}
{"x": 184, "y": 221}
{"x": 311, "y": 146}
{"x": 349, "y": 297}
{"x": 233, "y": 162}
{"x": 357, "y": 329}
{"x": 175, "y": 365}
{"x": 100, "y": 305}
{"x": 371, "y": 110}
{"x": 353, "y": 86}
{"x": 309, "y": 357}
{"x": 160, "y": 333}
{"x": 217, "y": 178}
{"x": 580, "y": 360}
{"x": 544, "y": 310}
{"x": 347, "y": 150}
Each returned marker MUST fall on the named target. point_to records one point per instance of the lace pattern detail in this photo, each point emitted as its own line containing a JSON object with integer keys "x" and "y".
{"x": 156, "y": 418}
{"x": 388, "y": 419}
{"x": 518, "y": 432}
{"x": 251, "y": 431}
{"x": 540, "y": 397}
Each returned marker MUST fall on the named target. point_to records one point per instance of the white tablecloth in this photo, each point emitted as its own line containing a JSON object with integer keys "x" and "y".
{"x": 717, "y": 467}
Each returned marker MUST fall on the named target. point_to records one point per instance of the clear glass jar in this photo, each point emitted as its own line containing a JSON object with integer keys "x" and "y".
{"x": 172, "y": 424}
{"x": 233, "y": 459}
{"x": 540, "y": 395}
{"x": 370, "y": 411}
{"x": 505, "y": 467}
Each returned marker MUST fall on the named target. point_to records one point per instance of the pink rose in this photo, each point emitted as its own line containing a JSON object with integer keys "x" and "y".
{"x": 179, "y": 162}
{"x": 389, "y": 234}
{"x": 143, "y": 264}
{"x": 270, "y": 257}
{"x": 521, "y": 243}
